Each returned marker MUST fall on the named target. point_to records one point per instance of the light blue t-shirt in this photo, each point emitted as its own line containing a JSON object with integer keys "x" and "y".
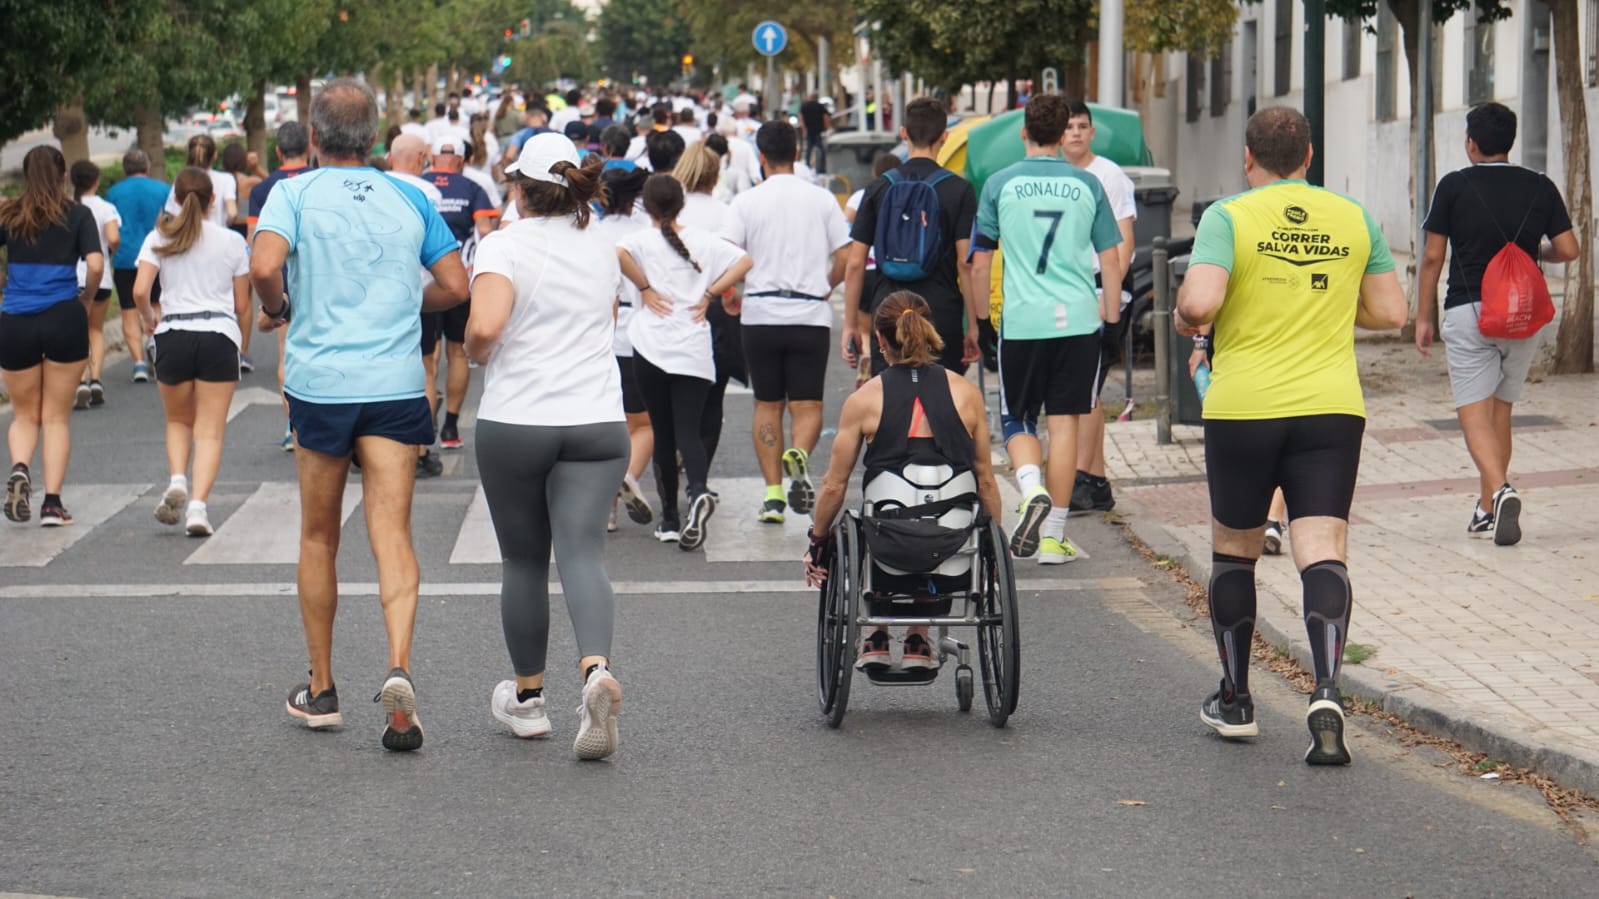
{"x": 355, "y": 237}
{"x": 1044, "y": 211}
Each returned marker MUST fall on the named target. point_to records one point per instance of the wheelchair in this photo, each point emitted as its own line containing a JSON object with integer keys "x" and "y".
{"x": 911, "y": 557}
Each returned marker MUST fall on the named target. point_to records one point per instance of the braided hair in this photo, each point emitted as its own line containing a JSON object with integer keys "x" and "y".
{"x": 663, "y": 200}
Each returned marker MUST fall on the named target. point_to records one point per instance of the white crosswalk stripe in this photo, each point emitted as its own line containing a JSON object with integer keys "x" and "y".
{"x": 266, "y": 529}
{"x": 91, "y": 505}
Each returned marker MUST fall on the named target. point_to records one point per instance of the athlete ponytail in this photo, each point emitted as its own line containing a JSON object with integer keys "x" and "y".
{"x": 192, "y": 190}
{"x": 202, "y": 151}
{"x": 663, "y": 200}
{"x": 84, "y": 175}
{"x": 905, "y": 329}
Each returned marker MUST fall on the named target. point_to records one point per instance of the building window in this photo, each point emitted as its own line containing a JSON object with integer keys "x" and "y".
{"x": 1195, "y": 85}
{"x": 1221, "y": 81}
{"x": 1352, "y": 35}
{"x": 1283, "y": 52}
{"x": 1387, "y": 75}
{"x": 1479, "y": 47}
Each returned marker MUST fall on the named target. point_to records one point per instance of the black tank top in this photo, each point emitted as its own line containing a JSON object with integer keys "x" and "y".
{"x": 892, "y": 448}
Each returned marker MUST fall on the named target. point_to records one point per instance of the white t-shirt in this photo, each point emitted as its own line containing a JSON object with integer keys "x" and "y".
{"x": 486, "y": 181}
{"x": 677, "y": 344}
{"x": 415, "y": 129}
{"x": 691, "y": 134}
{"x": 104, "y": 214}
{"x": 200, "y": 280}
{"x": 790, "y": 229}
{"x": 223, "y": 189}
{"x": 615, "y": 228}
{"x": 562, "y": 118}
{"x": 553, "y": 364}
{"x": 707, "y": 213}
{"x": 1118, "y": 190}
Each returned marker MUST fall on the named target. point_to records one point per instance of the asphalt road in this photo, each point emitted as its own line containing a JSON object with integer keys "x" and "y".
{"x": 146, "y": 751}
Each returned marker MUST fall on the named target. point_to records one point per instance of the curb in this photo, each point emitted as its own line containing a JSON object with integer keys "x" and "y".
{"x": 1519, "y": 741}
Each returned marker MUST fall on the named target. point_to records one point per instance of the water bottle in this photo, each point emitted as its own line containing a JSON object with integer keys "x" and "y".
{"x": 1202, "y": 380}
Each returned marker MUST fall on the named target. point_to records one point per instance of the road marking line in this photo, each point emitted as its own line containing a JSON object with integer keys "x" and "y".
{"x": 266, "y": 529}
{"x": 475, "y": 542}
{"x": 32, "y": 546}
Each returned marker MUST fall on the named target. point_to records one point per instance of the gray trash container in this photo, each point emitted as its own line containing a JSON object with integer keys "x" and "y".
{"x": 1155, "y": 192}
{"x": 850, "y": 155}
{"x": 1186, "y": 406}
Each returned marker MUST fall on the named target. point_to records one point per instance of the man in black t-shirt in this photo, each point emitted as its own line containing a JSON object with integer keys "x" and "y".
{"x": 813, "y": 116}
{"x": 945, "y": 289}
{"x": 1475, "y": 211}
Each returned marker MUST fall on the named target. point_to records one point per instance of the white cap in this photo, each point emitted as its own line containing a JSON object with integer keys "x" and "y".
{"x": 540, "y": 153}
{"x": 454, "y": 140}
{"x": 742, "y": 104}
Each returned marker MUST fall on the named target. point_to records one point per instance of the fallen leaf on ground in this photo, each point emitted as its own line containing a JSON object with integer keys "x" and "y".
{"x": 1132, "y": 802}
{"x": 964, "y": 870}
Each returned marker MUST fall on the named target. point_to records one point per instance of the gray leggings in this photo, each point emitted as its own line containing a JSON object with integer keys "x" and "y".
{"x": 547, "y": 485}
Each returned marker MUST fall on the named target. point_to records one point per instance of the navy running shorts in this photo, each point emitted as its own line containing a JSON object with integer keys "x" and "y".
{"x": 332, "y": 428}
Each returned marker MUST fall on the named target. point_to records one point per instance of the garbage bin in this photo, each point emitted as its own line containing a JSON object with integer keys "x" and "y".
{"x": 1187, "y": 409}
{"x": 1154, "y": 191}
{"x": 850, "y": 155}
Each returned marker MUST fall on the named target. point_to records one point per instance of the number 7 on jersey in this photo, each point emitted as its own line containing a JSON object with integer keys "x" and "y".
{"x": 1054, "y": 217}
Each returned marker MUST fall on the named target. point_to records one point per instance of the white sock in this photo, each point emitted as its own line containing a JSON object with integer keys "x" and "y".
{"x": 196, "y": 505}
{"x": 1028, "y": 477}
{"x": 1055, "y": 523}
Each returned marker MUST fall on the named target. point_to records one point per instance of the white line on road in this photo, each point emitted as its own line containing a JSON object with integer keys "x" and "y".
{"x": 94, "y": 504}
{"x": 266, "y": 529}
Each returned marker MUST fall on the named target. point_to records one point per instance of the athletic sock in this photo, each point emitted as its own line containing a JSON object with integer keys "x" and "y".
{"x": 525, "y": 695}
{"x": 52, "y": 499}
{"x": 197, "y": 504}
{"x": 1232, "y": 618}
{"x": 588, "y": 671}
{"x": 1328, "y": 602}
{"x": 179, "y": 480}
{"x": 1028, "y": 477}
{"x": 1055, "y": 523}
{"x": 451, "y": 418}
{"x": 774, "y": 491}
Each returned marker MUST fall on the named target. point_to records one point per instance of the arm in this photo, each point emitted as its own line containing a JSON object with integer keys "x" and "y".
{"x": 970, "y": 350}
{"x": 1124, "y": 250}
{"x": 1382, "y": 302}
{"x": 142, "y": 283}
{"x": 652, "y": 299}
{"x": 1111, "y": 270}
{"x": 1204, "y": 288}
{"x": 1432, "y": 266}
{"x": 835, "y": 275}
{"x": 487, "y": 224}
{"x": 113, "y": 238}
{"x": 970, "y": 403}
{"x": 232, "y": 209}
{"x": 977, "y": 285}
{"x": 94, "y": 268}
{"x": 241, "y": 299}
{"x": 492, "y": 298}
{"x": 267, "y": 255}
{"x": 1561, "y": 248}
{"x": 830, "y": 499}
{"x": 449, "y": 287}
{"x": 854, "y": 284}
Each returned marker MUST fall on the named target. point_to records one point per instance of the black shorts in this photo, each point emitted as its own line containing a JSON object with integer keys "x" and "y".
{"x": 123, "y": 278}
{"x": 332, "y": 428}
{"x": 183, "y": 356}
{"x": 632, "y": 399}
{"x": 101, "y": 295}
{"x": 432, "y": 325}
{"x": 1313, "y": 458}
{"x": 58, "y": 333}
{"x": 1059, "y": 376}
{"x": 454, "y": 322}
{"x": 787, "y": 362}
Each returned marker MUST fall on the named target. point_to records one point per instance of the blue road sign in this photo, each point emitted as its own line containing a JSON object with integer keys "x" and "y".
{"x": 770, "y": 38}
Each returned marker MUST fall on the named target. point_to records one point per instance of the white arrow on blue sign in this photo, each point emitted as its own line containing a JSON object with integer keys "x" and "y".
{"x": 770, "y": 38}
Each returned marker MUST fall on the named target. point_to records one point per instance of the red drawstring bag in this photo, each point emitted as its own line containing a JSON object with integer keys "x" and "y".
{"x": 1514, "y": 295}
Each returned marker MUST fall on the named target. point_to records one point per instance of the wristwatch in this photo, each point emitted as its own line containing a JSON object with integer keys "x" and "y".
{"x": 1201, "y": 341}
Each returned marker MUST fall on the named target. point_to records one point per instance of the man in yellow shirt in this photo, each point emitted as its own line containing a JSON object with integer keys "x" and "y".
{"x": 1284, "y": 272}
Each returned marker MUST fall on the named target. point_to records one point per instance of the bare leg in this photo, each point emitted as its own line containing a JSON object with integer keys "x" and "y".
{"x": 1091, "y": 443}
{"x": 55, "y": 414}
{"x": 388, "y": 474}
{"x": 457, "y": 378}
{"x": 1060, "y": 472}
{"x": 1483, "y": 441}
{"x": 211, "y": 400}
{"x": 1279, "y": 507}
{"x": 25, "y": 388}
{"x": 642, "y": 438}
{"x": 322, "y": 479}
{"x": 97, "y": 310}
{"x": 177, "y": 400}
{"x": 769, "y": 441}
{"x": 805, "y": 423}
{"x": 132, "y": 333}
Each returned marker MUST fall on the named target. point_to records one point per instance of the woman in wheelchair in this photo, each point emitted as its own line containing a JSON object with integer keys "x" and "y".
{"x": 922, "y": 425}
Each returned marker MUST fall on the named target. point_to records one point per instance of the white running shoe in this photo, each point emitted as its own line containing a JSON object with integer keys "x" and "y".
{"x": 170, "y": 511}
{"x": 632, "y": 497}
{"x": 196, "y": 522}
{"x": 525, "y": 719}
{"x": 602, "y": 701}
{"x": 1034, "y": 509}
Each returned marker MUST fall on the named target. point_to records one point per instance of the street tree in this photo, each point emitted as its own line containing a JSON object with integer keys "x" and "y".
{"x": 64, "y": 37}
{"x": 722, "y": 29}
{"x": 644, "y": 38}
{"x": 559, "y": 49}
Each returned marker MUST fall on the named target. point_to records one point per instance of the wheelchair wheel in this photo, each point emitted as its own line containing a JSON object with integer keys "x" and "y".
{"x": 963, "y": 688}
{"x": 998, "y": 648}
{"x": 837, "y": 632}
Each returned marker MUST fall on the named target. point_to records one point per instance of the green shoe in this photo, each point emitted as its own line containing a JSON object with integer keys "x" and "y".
{"x": 801, "y": 495}
{"x": 1033, "y": 510}
{"x": 1057, "y": 552}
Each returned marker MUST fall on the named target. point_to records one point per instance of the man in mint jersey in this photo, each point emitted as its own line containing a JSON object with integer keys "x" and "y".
{"x": 1044, "y": 211}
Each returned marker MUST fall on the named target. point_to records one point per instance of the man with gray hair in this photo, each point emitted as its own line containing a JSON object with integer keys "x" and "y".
{"x": 138, "y": 199}
{"x": 293, "y": 149}
{"x": 352, "y": 238}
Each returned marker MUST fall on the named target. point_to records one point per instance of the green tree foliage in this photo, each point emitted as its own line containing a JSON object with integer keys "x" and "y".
{"x": 722, "y": 29}
{"x": 559, "y": 49}
{"x": 643, "y": 37}
{"x": 1193, "y": 26}
{"x": 950, "y": 44}
{"x": 47, "y": 46}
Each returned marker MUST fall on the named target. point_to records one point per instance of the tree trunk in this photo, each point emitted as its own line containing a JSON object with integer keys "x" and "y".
{"x": 1574, "y": 341}
{"x": 396, "y": 113}
{"x": 255, "y": 125}
{"x": 71, "y": 128}
{"x": 302, "y": 97}
{"x": 432, "y": 91}
{"x": 419, "y": 98}
{"x": 453, "y": 86}
{"x": 151, "y": 130}
{"x": 1408, "y": 14}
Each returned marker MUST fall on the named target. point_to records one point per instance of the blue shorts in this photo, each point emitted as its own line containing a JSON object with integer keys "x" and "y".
{"x": 332, "y": 428}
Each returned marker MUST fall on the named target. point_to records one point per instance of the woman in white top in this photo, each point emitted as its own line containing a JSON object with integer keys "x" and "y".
{"x": 620, "y": 217}
{"x": 551, "y": 443}
{"x": 225, "y": 191}
{"x": 204, "y": 269}
{"x": 678, "y": 272}
{"x": 86, "y": 184}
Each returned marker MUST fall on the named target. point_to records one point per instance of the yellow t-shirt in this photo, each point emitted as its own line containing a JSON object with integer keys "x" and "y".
{"x": 1285, "y": 335}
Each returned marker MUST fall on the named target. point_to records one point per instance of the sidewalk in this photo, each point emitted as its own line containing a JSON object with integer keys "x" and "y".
{"x": 1495, "y": 647}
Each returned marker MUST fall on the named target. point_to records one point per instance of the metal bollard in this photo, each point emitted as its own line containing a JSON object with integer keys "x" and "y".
{"x": 1162, "y": 324}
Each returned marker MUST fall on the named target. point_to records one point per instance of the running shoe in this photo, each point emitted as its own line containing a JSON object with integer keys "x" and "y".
{"x": 1033, "y": 510}
{"x": 1057, "y": 552}
{"x": 1232, "y": 719}
{"x": 141, "y": 372}
{"x": 1274, "y": 538}
{"x": 173, "y": 501}
{"x": 402, "y": 732}
{"x": 429, "y": 465}
{"x": 52, "y": 514}
{"x": 692, "y": 536}
{"x": 288, "y": 438}
{"x": 668, "y": 531}
{"x": 1091, "y": 494}
{"x": 610, "y": 523}
{"x": 319, "y": 711}
{"x": 1507, "y": 516}
{"x": 82, "y": 400}
{"x": 196, "y": 522}
{"x": 1325, "y": 718}
{"x": 245, "y": 364}
{"x": 96, "y": 393}
{"x": 450, "y": 437}
{"x": 638, "y": 508}
{"x": 1482, "y": 523}
{"x": 149, "y": 350}
{"x": 875, "y": 655}
{"x": 917, "y": 654}
{"x": 797, "y": 465}
{"x": 525, "y": 719}
{"x": 602, "y": 701}
{"x": 771, "y": 512}
{"x": 18, "y": 486}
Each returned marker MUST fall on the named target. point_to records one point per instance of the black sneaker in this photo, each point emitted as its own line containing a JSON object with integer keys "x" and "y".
{"x": 875, "y": 654}
{"x": 692, "y": 536}
{"x": 1082, "y": 495}
{"x": 1325, "y": 718}
{"x": 917, "y": 654}
{"x": 429, "y": 465}
{"x": 402, "y": 732}
{"x": 1507, "y": 516}
{"x": 1482, "y": 523}
{"x": 450, "y": 437}
{"x": 18, "y": 486}
{"x": 54, "y": 514}
{"x": 96, "y": 393}
{"x": 319, "y": 711}
{"x": 1233, "y": 719}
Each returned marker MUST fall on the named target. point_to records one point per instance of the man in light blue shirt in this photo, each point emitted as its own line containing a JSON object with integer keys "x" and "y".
{"x": 351, "y": 238}
{"x": 138, "y": 199}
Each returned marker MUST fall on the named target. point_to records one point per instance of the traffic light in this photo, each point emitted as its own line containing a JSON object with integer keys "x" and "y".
{"x": 505, "y": 62}
{"x": 688, "y": 59}
{"x": 507, "y": 32}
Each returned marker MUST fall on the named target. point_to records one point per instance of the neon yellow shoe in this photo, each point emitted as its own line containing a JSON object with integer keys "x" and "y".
{"x": 1034, "y": 509}
{"x": 801, "y": 495}
{"x": 1057, "y": 552}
